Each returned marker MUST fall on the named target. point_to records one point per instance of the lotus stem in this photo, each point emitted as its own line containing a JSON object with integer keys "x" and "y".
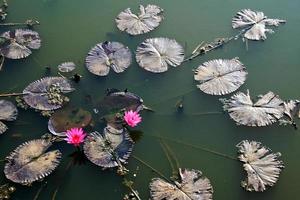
{"x": 39, "y": 191}
{"x": 172, "y": 154}
{"x": 150, "y": 167}
{"x": 2, "y": 58}
{"x": 162, "y": 144}
{"x": 196, "y": 147}
{"x": 13, "y": 94}
{"x": 28, "y": 22}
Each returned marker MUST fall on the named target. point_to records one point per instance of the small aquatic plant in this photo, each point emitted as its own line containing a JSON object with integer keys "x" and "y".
{"x": 132, "y": 118}
{"x": 75, "y": 136}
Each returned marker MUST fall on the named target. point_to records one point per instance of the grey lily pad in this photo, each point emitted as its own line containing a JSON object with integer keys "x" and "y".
{"x": 191, "y": 186}
{"x": 108, "y": 55}
{"x": 20, "y": 41}
{"x": 262, "y": 166}
{"x": 254, "y": 24}
{"x": 109, "y": 149}
{"x": 65, "y": 119}
{"x": 265, "y": 111}
{"x": 148, "y": 19}
{"x": 30, "y": 162}
{"x": 221, "y": 76}
{"x": 157, "y": 54}
{"x": 66, "y": 67}
{"x": 47, "y": 93}
{"x": 8, "y": 112}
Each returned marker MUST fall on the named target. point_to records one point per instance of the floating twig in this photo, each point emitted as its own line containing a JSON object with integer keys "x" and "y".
{"x": 29, "y": 22}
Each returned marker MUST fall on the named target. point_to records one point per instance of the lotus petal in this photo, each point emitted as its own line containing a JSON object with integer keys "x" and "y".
{"x": 8, "y": 111}
{"x": 192, "y": 186}
{"x": 148, "y": 19}
{"x": 65, "y": 119}
{"x": 219, "y": 77}
{"x": 108, "y": 55}
{"x": 30, "y": 162}
{"x": 39, "y": 94}
{"x": 108, "y": 149}
{"x": 254, "y": 23}
{"x": 66, "y": 67}
{"x": 20, "y": 41}
{"x": 267, "y": 109}
{"x": 156, "y": 54}
{"x": 262, "y": 166}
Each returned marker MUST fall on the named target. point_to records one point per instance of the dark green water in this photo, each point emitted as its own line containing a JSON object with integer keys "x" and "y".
{"x": 70, "y": 28}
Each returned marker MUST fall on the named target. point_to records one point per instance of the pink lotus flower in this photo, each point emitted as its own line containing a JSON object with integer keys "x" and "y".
{"x": 132, "y": 118}
{"x": 75, "y": 136}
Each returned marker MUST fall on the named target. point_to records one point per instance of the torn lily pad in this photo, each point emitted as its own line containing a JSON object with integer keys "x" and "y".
{"x": 265, "y": 111}
{"x": 221, "y": 76}
{"x": 8, "y": 112}
{"x": 191, "y": 186}
{"x": 147, "y": 20}
{"x": 254, "y": 24}
{"x": 157, "y": 54}
{"x": 110, "y": 149}
{"x": 66, "y": 67}
{"x": 65, "y": 119}
{"x": 47, "y": 93}
{"x": 262, "y": 166}
{"x": 30, "y": 162}
{"x": 19, "y": 43}
{"x": 108, "y": 55}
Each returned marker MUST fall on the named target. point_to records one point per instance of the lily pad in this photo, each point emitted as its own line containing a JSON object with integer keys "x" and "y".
{"x": 66, "y": 67}
{"x": 265, "y": 111}
{"x": 219, "y": 77}
{"x": 108, "y": 55}
{"x": 147, "y": 20}
{"x": 30, "y": 162}
{"x": 8, "y": 112}
{"x": 20, "y": 41}
{"x": 262, "y": 166}
{"x": 254, "y": 24}
{"x": 109, "y": 149}
{"x": 47, "y": 93}
{"x": 157, "y": 54}
{"x": 65, "y": 119}
{"x": 191, "y": 186}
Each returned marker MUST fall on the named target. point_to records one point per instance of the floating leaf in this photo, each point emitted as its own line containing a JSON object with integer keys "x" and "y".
{"x": 47, "y": 93}
{"x": 254, "y": 23}
{"x": 30, "y": 162}
{"x": 156, "y": 54}
{"x": 108, "y": 55}
{"x": 265, "y": 111}
{"x": 192, "y": 186}
{"x": 65, "y": 119}
{"x": 262, "y": 166}
{"x": 20, "y": 41}
{"x": 66, "y": 67}
{"x": 109, "y": 149}
{"x": 148, "y": 19}
{"x": 219, "y": 77}
{"x": 8, "y": 112}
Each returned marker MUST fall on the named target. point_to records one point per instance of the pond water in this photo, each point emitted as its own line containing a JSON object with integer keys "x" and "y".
{"x": 70, "y": 28}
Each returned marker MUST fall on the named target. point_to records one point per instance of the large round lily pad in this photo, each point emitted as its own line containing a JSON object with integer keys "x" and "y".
{"x": 254, "y": 24}
{"x": 8, "y": 112}
{"x": 109, "y": 149}
{"x": 191, "y": 186}
{"x": 20, "y": 41}
{"x": 157, "y": 54}
{"x": 47, "y": 93}
{"x": 30, "y": 162}
{"x": 265, "y": 111}
{"x": 262, "y": 166}
{"x": 148, "y": 19}
{"x": 65, "y": 119}
{"x": 108, "y": 55}
{"x": 221, "y": 76}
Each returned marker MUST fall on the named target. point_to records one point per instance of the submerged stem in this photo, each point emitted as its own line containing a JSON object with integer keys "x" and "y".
{"x": 162, "y": 144}
{"x": 149, "y": 166}
{"x": 13, "y": 94}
